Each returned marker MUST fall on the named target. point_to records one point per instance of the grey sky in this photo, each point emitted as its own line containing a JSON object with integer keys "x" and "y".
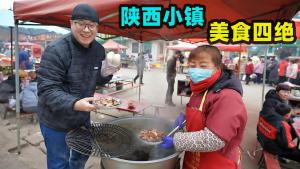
{"x": 7, "y": 4}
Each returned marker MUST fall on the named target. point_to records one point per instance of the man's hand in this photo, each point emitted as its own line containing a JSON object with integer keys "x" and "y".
{"x": 109, "y": 69}
{"x": 85, "y": 105}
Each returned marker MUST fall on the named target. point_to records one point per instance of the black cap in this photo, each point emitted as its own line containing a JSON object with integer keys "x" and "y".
{"x": 84, "y": 11}
{"x": 283, "y": 86}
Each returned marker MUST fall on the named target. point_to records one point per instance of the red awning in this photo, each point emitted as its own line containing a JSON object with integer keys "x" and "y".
{"x": 231, "y": 48}
{"x": 182, "y": 46}
{"x": 57, "y": 12}
{"x": 110, "y": 44}
{"x": 221, "y": 47}
{"x": 298, "y": 29}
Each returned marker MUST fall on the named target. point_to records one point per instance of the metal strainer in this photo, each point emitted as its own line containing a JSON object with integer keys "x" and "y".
{"x": 101, "y": 140}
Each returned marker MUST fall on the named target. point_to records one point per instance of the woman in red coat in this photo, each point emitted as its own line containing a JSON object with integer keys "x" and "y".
{"x": 215, "y": 115}
{"x": 249, "y": 69}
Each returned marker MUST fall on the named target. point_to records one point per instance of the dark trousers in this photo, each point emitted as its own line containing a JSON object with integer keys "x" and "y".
{"x": 258, "y": 78}
{"x": 282, "y": 79}
{"x": 267, "y": 76}
{"x": 247, "y": 78}
{"x": 292, "y": 154}
{"x": 138, "y": 74}
{"x": 170, "y": 90}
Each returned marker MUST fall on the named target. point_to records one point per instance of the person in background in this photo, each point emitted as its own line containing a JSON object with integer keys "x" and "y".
{"x": 259, "y": 70}
{"x": 249, "y": 69}
{"x": 297, "y": 81}
{"x": 227, "y": 61}
{"x": 282, "y": 70}
{"x": 67, "y": 77}
{"x": 24, "y": 81}
{"x": 147, "y": 60}
{"x": 292, "y": 70}
{"x": 276, "y": 134}
{"x": 140, "y": 65}
{"x": 214, "y": 129}
{"x": 24, "y": 58}
{"x": 1, "y": 76}
{"x": 243, "y": 61}
{"x": 181, "y": 60}
{"x": 171, "y": 74}
{"x": 31, "y": 62}
{"x": 7, "y": 89}
{"x": 273, "y": 75}
{"x": 28, "y": 97}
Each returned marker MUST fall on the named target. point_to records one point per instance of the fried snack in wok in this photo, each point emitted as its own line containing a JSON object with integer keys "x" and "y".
{"x": 107, "y": 102}
{"x": 151, "y": 135}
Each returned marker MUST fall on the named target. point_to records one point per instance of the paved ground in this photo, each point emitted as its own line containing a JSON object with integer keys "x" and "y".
{"x": 153, "y": 92}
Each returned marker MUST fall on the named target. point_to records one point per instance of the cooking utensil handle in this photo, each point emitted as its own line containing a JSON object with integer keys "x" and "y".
{"x": 175, "y": 129}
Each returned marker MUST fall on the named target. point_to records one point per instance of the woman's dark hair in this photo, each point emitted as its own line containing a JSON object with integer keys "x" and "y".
{"x": 294, "y": 61}
{"x": 283, "y": 109}
{"x": 283, "y": 86}
{"x": 212, "y": 51}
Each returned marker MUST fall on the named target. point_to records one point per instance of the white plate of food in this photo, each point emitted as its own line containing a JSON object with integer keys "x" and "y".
{"x": 107, "y": 102}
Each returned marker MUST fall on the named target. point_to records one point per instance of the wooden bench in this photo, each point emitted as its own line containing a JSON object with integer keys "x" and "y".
{"x": 123, "y": 90}
{"x": 270, "y": 161}
{"x": 98, "y": 89}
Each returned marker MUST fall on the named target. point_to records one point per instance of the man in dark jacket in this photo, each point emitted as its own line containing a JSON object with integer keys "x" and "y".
{"x": 69, "y": 70}
{"x": 171, "y": 74}
{"x": 273, "y": 67}
{"x": 140, "y": 65}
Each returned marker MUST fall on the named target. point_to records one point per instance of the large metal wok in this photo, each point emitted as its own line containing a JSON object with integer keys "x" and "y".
{"x": 144, "y": 156}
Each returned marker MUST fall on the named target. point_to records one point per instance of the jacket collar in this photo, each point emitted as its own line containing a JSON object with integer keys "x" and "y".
{"x": 77, "y": 44}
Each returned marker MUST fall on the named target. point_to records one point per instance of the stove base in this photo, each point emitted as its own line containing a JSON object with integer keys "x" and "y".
{"x": 176, "y": 167}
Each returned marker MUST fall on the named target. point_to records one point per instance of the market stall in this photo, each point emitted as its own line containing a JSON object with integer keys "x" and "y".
{"x": 54, "y": 12}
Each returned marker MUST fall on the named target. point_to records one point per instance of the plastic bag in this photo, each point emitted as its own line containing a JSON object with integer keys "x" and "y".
{"x": 12, "y": 103}
{"x": 244, "y": 78}
{"x": 108, "y": 69}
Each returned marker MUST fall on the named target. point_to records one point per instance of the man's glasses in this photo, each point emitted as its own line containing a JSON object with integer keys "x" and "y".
{"x": 81, "y": 25}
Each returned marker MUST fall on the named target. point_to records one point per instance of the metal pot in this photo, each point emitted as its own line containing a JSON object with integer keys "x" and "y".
{"x": 158, "y": 158}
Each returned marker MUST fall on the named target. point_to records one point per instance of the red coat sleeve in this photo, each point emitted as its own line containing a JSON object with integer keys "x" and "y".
{"x": 285, "y": 138}
{"x": 227, "y": 115}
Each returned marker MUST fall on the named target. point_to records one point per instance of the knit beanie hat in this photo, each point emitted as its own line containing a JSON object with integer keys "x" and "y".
{"x": 84, "y": 11}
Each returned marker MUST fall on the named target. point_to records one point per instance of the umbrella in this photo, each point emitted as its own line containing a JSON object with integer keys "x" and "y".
{"x": 221, "y": 47}
{"x": 183, "y": 46}
{"x": 231, "y": 48}
{"x": 110, "y": 44}
{"x": 297, "y": 23}
{"x": 53, "y": 12}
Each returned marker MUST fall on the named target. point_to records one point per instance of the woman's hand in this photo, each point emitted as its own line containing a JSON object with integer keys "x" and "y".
{"x": 167, "y": 142}
{"x": 179, "y": 121}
